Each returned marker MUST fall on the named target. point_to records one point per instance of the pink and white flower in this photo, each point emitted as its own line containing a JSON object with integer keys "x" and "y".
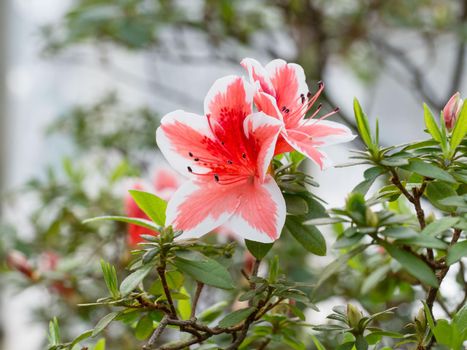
{"x": 226, "y": 154}
{"x": 284, "y": 95}
{"x": 452, "y": 110}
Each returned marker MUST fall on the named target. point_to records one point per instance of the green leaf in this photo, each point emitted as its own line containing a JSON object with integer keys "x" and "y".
{"x": 274, "y": 269}
{"x": 308, "y": 236}
{"x": 460, "y": 129}
{"x": 54, "y": 332}
{"x": 436, "y": 191}
{"x": 184, "y": 306}
{"x": 81, "y": 337}
{"x": 374, "y": 278}
{"x": 205, "y": 270}
{"x": 236, "y": 317}
{"x": 132, "y": 280}
{"x": 295, "y": 205}
{"x": 333, "y": 267}
{"x": 370, "y": 176}
{"x": 144, "y": 328}
{"x": 416, "y": 267}
{"x": 431, "y": 124}
{"x": 110, "y": 277}
{"x": 257, "y": 249}
{"x": 424, "y": 241}
{"x": 317, "y": 343}
{"x": 429, "y": 170}
{"x": 456, "y": 252}
{"x": 362, "y": 124}
{"x": 140, "y": 222}
{"x": 104, "y": 322}
{"x": 439, "y": 226}
{"x": 153, "y": 206}
{"x": 212, "y": 312}
{"x": 100, "y": 345}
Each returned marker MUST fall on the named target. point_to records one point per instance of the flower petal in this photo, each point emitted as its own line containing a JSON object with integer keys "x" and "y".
{"x": 262, "y": 132}
{"x": 227, "y": 104}
{"x": 182, "y": 137}
{"x": 267, "y": 104}
{"x": 261, "y": 214}
{"x": 197, "y": 208}
{"x": 289, "y": 83}
{"x": 308, "y": 148}
{"x": 325, "y": 133}
{"x": 258, "y": 73}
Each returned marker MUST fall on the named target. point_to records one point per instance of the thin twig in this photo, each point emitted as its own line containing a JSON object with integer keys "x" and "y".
{"x": 157, "y": 333}
{"x": 199, "y": 289}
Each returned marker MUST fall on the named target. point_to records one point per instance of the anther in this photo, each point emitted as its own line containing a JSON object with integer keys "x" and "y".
{"x": 196, "y": 159}
{"x": 216, "y": 177}
{"x": 189, "y": 169}
{"x": 283, "y": 108}
{"x": 230, "y": 162}
{"x": 287, "y": 110}
{"x": 308, "y": 94}
{"x": 302, "y": 96}
{"x": 244, "y": 155}
{"x": 190, "y": 154}
{"x": 337, "y": 109}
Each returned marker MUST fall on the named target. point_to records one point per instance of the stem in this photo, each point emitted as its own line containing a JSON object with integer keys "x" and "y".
{"x": 433, "y": 291}
{"x": 157, "y": 333}
{"x": 165, "y": 286}
{"x": 199, "y": 288}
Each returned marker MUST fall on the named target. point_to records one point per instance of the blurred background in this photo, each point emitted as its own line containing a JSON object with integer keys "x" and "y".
{"x": 83, "y": 84}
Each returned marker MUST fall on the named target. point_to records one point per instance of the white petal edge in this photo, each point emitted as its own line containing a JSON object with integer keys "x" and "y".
{"x": 242, "y": 228}
{"x": 250, "y": 64}
{"x": 221, "y": 85}
{"x": 272, "y": 67}
{"x": 345, "y": 136}
{"x": 176, "y": 160}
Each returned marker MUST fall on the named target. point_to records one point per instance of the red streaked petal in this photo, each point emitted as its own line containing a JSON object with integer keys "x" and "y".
{"x": 289, "y": 83}
{"x": 258, "y": 73}
{"x": 306, "y": 147}
{"x": 267, "y": 104}
{"x": 260, "y": 216}
{"x": 197, "y": 208}
{"x": 227, "y": 104}
{"x": 262, "y": 131}
{"x": 182, "y": 137}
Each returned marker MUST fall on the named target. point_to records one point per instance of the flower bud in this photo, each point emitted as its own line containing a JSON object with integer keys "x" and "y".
{"x": 452, "y": 110}
{"x": 354, "y": 316}
{"x": 371, "y": 218}
{"x": 18, "y": 261}
{"x": 420, "y": 322}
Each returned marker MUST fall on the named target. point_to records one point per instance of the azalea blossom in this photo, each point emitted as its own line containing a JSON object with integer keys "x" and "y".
{"x": 284, "y": 94}
{"x": 226, "y": 154}
{"x": 452, "y": 110}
